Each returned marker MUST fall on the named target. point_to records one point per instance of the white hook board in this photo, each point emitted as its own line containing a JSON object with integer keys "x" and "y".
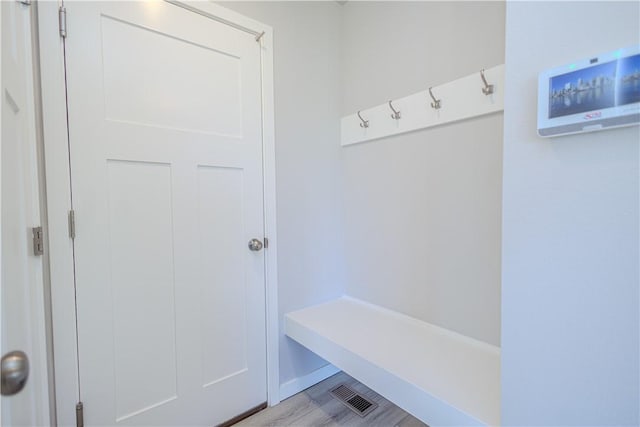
{"x": 460, "y": 99}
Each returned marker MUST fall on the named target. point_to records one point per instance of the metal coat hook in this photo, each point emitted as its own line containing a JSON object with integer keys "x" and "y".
{"x": 365, "y": 123}
{"x": 436, "y": 102}
{"x": 487, "y": 89}
{"x": 396, "y": 114}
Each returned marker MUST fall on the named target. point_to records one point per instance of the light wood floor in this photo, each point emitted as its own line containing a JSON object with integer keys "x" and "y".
{"x": 316, "y": 407}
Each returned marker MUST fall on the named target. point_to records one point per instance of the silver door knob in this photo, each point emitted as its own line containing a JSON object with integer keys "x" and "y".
{"x": 255, "y": 245}
{"x": 14, "y": 372}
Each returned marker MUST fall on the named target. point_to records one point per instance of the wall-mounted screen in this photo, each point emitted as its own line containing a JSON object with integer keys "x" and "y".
{"x": 594, "y": 94}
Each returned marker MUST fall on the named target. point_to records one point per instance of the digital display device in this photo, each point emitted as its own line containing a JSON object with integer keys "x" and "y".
{"x": 597, "y": 93}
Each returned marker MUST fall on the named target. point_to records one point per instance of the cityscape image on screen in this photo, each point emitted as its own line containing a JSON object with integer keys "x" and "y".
{"x": 628, "y": 88}
{"x": 598, "y": 87}
{"x": 589, "y": 89}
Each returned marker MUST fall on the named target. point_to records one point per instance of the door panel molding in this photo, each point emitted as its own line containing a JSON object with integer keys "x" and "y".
{"x": 59, "y": 202}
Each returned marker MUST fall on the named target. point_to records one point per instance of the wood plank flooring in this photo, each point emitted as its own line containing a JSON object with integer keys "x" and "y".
{"x": 316, "y": 407}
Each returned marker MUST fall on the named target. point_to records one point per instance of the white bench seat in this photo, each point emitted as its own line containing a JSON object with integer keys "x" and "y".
{"x": 439, "y": 376}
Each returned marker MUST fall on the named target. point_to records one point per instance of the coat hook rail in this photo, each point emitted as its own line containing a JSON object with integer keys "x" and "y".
{"x": 396, "y": 113}
{"x": 448, "y": 102}
{"x": 487, "y": 89}
{"x": 436, "y": 102}
{"x": 365, "y": 123}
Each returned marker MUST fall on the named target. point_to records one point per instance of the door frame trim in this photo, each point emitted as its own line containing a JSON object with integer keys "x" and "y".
{"x": 57, "y": 176}
{"x": 39, "y": 342}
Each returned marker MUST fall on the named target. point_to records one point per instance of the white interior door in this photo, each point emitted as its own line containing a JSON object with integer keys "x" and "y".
{"x": 166, "y": 164}
{"x": 23, "y": 325}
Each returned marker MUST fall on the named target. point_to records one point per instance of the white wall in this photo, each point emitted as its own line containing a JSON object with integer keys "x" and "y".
{"x": 423, "y": 210}
{"x": 570, "y": 321}
{"x": 308, "y": 165}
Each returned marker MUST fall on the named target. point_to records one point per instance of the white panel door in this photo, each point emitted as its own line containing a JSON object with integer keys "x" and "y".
{"x": 166, "y": 164}
{"x": 23, "y": 324}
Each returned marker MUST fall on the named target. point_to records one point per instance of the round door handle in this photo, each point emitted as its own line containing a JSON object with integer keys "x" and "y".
{"x": 14, "y": 369}
{"x": 255, "y": 245}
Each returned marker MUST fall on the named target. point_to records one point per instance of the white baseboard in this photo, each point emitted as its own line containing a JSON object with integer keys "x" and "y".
{"x": 299, "y": 384}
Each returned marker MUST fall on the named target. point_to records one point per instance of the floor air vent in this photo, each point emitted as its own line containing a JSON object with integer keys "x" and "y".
{"x": 353, "y": 400}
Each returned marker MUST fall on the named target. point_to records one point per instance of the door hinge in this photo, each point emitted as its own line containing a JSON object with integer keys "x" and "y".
{"x": 79, "y": 415}
{"x": 62, "y": 21}
{"x": 72, "y": 224}
{"x": 38, "y": 241}
{"x": 266, "y": 243}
